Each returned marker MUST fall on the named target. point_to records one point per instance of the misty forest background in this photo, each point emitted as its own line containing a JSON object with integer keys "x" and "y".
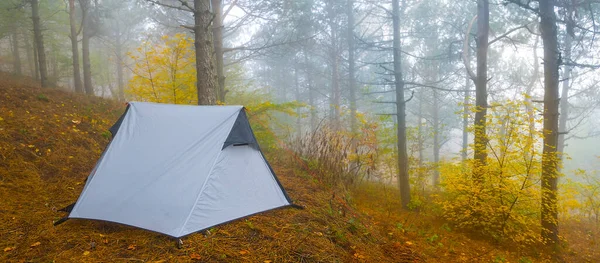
{"x": 489, "y": 108}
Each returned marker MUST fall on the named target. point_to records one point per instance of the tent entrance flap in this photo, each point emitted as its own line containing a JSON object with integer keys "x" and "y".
{"x": 169, "y": 169}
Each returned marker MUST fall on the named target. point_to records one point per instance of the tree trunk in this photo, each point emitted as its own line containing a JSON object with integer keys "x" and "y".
{"x": 120, "y": 59}
{"x": 297, "y": 95}
{"x": 311, "y": 96}
{"x": 218, "y": 46}
{"x": 85, "y": 47}
{"x": 16, "y": 53}
{"x": 549, "y": 212}
{"x": 30, "y": 56}
{"x": 335, "y": 75}
{"x": 206, "y": 78}
{"x": 564, "y": 101}
{"x": 75, "y": 48}
{"x": 529, "y": 146}
{"x": 39, "y": 43}
{"x": 420, "y": 140}
{"x": 36, "y": 63}
{"x": 483, "y": 26}
{"x": 55, "y": 67}
{"x": 351, "y": 66}
{"x": 436, "y": 138}
{"x": 403, "y": 179}
{"x": 466, "y": 114}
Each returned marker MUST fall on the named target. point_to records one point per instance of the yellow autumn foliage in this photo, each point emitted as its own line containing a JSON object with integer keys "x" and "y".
{"x": 504, "y": 202}
{"x": 164, "y": 71}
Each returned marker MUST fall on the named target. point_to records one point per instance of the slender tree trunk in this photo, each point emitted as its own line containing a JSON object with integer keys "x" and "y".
{"x": 529, "y": 147}
{"x": 436, "y": 138}
{"x": 564, "y": 101}
{"x": 483, "y": 25}
{"x": 403, "y": 179}
{"x": 549, "y": 212}
{"x": 333, "y": 56}
{"x": 297, "y": 93}
{"x": 420, "y": 140}
{"x": 335, "y": 91}
{"x": 351, "y": 66}
{"x": 120, "y": 60}
{"x": 218, "y": 46}
{"x": 85, "y": 47}
{"x": 55, "y": 68}
{"x": 465, "y": 120}
{"x": 206, "y": 76}
{"x": 75, "y": 48}
{"x": 311, "y": 95}
{"x": 30, "y": 57}
{"x": 36, "y": 62}
{"x": 39, "y": 43}
{"x": 15, "y": 49}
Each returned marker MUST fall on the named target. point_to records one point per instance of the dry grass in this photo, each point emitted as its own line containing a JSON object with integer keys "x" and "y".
{"x": 50, "y": 141}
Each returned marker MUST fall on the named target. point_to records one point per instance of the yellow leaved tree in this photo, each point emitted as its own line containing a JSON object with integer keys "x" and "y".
{"x": 164, "y": 71}
{"x": 504, "y": 202}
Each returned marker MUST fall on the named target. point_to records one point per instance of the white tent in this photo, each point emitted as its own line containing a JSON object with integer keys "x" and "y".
{"x": 180, "y": 169}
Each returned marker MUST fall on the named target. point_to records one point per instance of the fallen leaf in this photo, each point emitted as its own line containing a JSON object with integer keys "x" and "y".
{"x": 85, "y": 253}
{"x": 267, "y": 261}
{"x": 408, "y": 243}
{"x": 131, "y": 247}
{"x": 76, "y": 121}
{"x": 1, "y": 119}
{"x": 243, "y": 252}
{"x": 105, "y": 241}
{"x": 9, "y": 249}
{"x": 397, "y": 245}
{"x": 357, "y": 255}
{"x": 35, "y": 244}
{"x": 195, "y": 256}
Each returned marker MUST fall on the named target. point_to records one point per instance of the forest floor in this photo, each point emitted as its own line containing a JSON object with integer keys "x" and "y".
{"x": 50, "y": 140}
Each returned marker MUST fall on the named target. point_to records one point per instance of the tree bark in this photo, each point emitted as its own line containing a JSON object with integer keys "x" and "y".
{"x": 85, "y": 47}
{"x": 39, "y": 43}
{"x": 36, "y": 63}
{"x": 351, "y": 66}
{"x": 483, "y": 25}
{"x": 564, "y": 101}
{"x": 549, "y": 212}
{"x": 420, "y": 140}
{"x": 16, "y": 53}
{"x": 436, "y": 138}
{"x": 333, "y": 56}
{"x": 75, "y": 48}
{"x": 30, "y": 57}
{"x": 465, "y": 120}
{"x": 297, "y": 95}
{"x": 206, "y": 77}
{"x": 403, "y": 177}
{"x": 218, "y": 46}
{"x": 311, "y": 96}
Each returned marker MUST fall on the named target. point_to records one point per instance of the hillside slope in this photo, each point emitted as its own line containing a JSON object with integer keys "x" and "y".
{"x": 50, "y": 141}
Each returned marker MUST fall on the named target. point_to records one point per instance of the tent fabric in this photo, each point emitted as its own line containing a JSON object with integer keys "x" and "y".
{"x": 241, "y": 133}
{"x": 180, "y": 169}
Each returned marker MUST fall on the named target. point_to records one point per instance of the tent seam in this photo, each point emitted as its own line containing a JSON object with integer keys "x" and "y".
{"x": 200, "y": 194}
{"x": 203, "y": 187}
